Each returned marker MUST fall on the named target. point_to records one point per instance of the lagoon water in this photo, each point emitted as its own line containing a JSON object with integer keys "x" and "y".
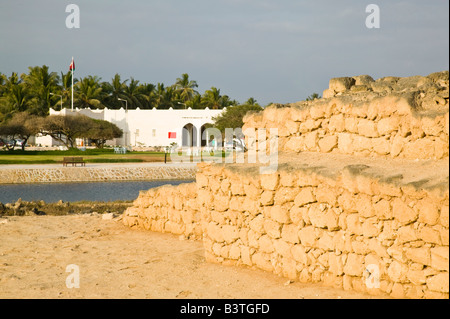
{"x": 72, "y": 192}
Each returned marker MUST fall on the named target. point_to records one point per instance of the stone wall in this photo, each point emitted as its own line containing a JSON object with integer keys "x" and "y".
{"x": 94, "y": 174}
{"x": 312, "y": 228}
{"x": 409, "y": 118}
{"x": 360, "y": 200}
{"x": 167, "y": 209}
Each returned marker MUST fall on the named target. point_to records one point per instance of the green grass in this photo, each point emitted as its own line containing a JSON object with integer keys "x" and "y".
{"x": 90, "y": 156}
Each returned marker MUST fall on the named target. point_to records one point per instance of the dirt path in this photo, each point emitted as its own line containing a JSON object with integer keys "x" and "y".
{"x": 117, "y": 262}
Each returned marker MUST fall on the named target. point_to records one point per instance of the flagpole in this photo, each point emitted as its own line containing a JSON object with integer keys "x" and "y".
{"x": 72, "y": 83}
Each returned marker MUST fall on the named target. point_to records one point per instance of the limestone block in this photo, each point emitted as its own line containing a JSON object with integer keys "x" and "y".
{"x": 265, "y": 244}
{"x": 214, "y": 232}
{"x": 251, "y": 191}
{"x": 345, "y": 143}
{"x": 257, "y": 224}
{"x": 336, "y": 264}
{"x": 444, "y": 216}
{"x": 397, "y": 271}
{"x": 353, "y": 224}
{"x": 307, "y": 236}
{"x": 284, "y": 195}
{"x": 289, "y": 268}
{"x": 280, "y": 214}
{"x": 295, "y": 144}
{"x": 440, "y": 258}
{"x": 403, "y": 213}
{"x": 430, "y": 235}
{"x": 337, "y": 123}
{"x": 311, "y": 140}
{"x": 363, "y": 79}
{"x": 298, "y": 214}
{"x": 230, "y": 233}
{"x": 420, "y": 149}
{"x": 317, "y": 112}
{"x": 305, "y": 196}
{"x": 309, "y": 125}
{"x": 381, "y": 146}
{"x": 341, "y": 84}
{"x": 283, "y": 248}
{"x": 328, "y": 143}
{"x": 354, "y": 265}
{"x": 428, "y": 211}
{"x": 439, "y": 282}
{"x": 201, "y": 180}
{"x": 267, "y": 198}
{"x": 262, "y": 261}
{"x": 250, "y": 206}
{"x": 419, "y": 255}
{"x": 375, "y": 245}
{"x": 298, "y": 114}
{"x": 253, "y": 238}
{"x": 270, "y": 181}
{"x": 367, "y": 128}
{"x": 245, "y": 255}
{"x": 406, "y": 234}
{"x": 299, "y": 254}
{"x": 292, "y": 126}
{"x": 325, "y": 242}
{"x": 327, "y": 93}
{"x": 369, "y": 228}
{"x": 289, "y": 233}
{"x": 351, "y": 124}
{"x": 382, "y": 209}
{"x": 272, "y": 228}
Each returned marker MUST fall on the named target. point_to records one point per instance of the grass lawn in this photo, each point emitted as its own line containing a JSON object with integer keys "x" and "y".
{"x": 90, "y": 156}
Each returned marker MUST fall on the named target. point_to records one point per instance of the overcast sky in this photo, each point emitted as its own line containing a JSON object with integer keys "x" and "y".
{"x": 273, "y": 50}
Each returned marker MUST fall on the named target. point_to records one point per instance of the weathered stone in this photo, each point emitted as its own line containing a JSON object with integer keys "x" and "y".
{"x": 397, "y": 271}
{"x": 328, "y": 143}
{"x": 419, "y": 255}
{"x": 439, "y": 282}
{"x": 272, "y": 228}
{"x": 270, "y": 181}
{"x": 354, "y": 265}
{"x": 341, "y": 84}
{"x": 305, "y": 196}
{"x": 307, "y": 236}
{"x": 440, "y": 258}
{"x": 289, "y": 233}
{"x": 403, "y": 213}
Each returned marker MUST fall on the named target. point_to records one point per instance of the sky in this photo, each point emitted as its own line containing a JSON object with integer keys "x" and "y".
{"x": 277, "y": 51}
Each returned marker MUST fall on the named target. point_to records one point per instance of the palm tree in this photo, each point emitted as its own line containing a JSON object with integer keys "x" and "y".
{"x": 185, "y": 87}
{"x": 16, "y": 97}
{"x": 212, "y": 98}
{"x": 113, "y": 91}
{"x": 88, "y": 93}
{"x": 149, "y": 93}
{"x": 134, "y": 94}
{"x": 41, "y": 83}
{"x": 313, "y": 97}
{"x": 251, "y": 101}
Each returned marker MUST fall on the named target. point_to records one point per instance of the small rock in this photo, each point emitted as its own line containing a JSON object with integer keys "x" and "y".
{"x": 108, "y": 216}
{"x": 287, "y": 283}
{"x": 3, "y": 221}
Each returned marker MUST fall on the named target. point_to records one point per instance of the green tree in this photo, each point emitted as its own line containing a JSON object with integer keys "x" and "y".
{"x": 21, "y": 126}
{"x": 233, "y": 116}
{"x": 212, "y": 99}
{"x": 313, "y": 96}
{"x": 185, "y": 88}
{"x": 100, "y": 131}
{"x": 66, "y": 129}
{"x": 40, "y": 83}
{"x": 134, "y": 94}
{"x": 88, "y": 93}
{"x": 113, "y": 91}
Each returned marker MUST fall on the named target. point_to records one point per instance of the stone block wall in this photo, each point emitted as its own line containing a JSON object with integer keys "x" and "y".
{"x": 390, "y": 117}
{"x": 167, "y": 209}
{"x": 312, "y": 228}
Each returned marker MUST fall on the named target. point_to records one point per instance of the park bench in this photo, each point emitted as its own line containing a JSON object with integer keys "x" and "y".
{"x": 74, "y": 161}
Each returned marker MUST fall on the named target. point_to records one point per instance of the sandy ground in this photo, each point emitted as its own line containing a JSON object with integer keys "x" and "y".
{"x": 115, "y": 261}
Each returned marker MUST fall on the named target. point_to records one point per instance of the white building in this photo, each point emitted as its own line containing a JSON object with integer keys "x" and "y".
{"x": 149, "y": 127}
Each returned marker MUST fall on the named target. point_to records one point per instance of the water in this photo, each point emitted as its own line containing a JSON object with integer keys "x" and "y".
{"x": 72, "y": 192}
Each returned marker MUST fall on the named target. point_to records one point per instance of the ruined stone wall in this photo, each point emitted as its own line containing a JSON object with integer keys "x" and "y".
{"x": 394, "y": 117}
{"x": 312, "y": 228}
{"x": 167, "y": 209}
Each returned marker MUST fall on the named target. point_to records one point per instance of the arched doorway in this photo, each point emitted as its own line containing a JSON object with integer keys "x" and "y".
{"x": 189, "y": 136}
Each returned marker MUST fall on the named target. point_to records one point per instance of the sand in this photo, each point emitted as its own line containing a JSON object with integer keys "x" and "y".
{"x": 115, "y": 261}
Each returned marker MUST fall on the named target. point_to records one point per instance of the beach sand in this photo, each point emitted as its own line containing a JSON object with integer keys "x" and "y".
{"x": 115, "y": 261}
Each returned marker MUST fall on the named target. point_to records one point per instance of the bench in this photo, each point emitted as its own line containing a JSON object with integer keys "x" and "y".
{"x": 74, "y": 161}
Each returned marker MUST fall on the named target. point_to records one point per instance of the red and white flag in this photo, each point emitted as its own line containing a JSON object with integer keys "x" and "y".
{"x": 72, "y": 65}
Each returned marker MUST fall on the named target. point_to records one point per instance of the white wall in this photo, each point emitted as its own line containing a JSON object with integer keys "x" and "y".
{"x": 147, "y": 127}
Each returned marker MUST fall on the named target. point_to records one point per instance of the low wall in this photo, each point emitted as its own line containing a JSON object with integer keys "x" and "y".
{"x": 390, "y": 117}
{"x": 313, "y": 223}
{"x": 167, "y": 209}
{"x": 94, "y": 174}
{"x": 383, "y": 127}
